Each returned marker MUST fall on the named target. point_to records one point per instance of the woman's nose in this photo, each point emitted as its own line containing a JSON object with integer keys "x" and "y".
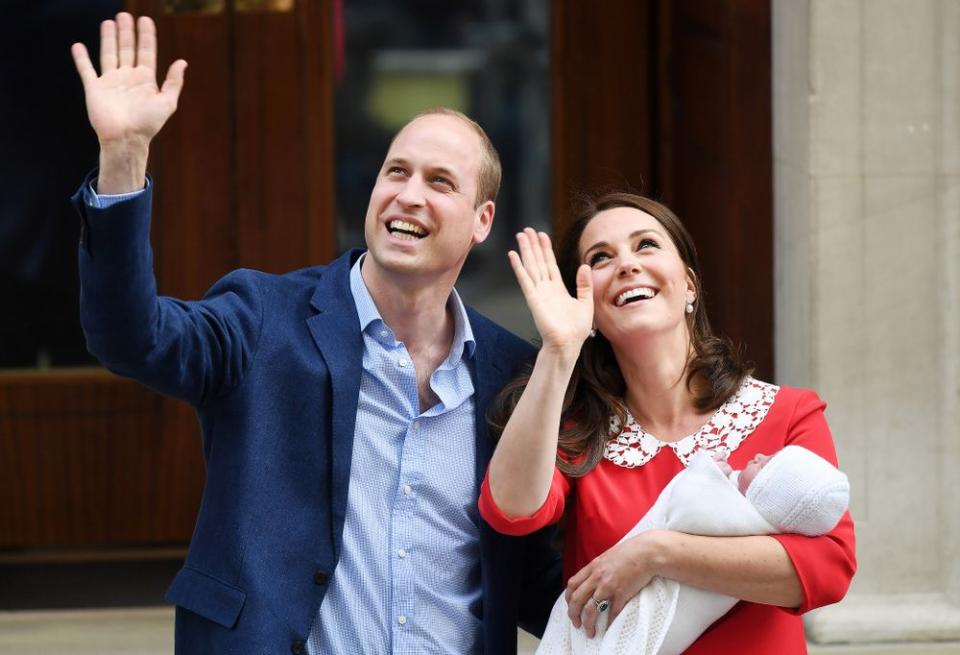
{"x": 629, "y": 264}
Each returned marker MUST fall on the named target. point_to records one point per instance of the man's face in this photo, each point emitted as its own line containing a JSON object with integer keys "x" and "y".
{"x": 423, "y": 218}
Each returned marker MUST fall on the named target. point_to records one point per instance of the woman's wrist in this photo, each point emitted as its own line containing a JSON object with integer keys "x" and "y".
{"x": 654, "y": 552}
{"x": 560, "y": 358}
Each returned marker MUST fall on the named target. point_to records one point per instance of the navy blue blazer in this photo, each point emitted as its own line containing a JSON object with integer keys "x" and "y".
{"x": 272, "y": 364}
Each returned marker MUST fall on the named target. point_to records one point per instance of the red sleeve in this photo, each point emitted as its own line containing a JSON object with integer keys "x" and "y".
{"x": 550, "y": 512}
{"x": 826, "y": 564}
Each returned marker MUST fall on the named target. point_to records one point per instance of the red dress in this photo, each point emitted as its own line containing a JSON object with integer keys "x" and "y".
{"x": 610, "y": 499}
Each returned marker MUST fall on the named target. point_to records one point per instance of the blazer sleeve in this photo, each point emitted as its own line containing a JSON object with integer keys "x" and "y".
{"x": 825, "y": 564}
{"x": 549, "y": 513}
{"x": 194, "y": 351}
{"x": 542, "y": 580}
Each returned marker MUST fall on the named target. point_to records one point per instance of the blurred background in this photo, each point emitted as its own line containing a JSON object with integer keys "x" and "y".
{"x": 811, "y": 146}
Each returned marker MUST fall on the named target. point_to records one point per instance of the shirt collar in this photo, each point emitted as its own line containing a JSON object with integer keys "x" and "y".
{"x": 463, "y": 344}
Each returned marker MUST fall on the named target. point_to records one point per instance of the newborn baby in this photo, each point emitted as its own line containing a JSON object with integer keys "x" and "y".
{"x": 792, "y": 491}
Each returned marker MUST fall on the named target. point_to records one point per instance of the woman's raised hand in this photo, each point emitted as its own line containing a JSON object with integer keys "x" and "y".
{"x": 563, "y": 321}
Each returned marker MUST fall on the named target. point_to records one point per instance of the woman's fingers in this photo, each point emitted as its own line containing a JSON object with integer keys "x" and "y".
{"x": 589, "y": 617}
{"x": 549, "y": 257}
{"x": 523, "y": 278}
{"x": 536, "y": 251}
{"x": 584, "y": 284}
{"x": 526, "y": 256}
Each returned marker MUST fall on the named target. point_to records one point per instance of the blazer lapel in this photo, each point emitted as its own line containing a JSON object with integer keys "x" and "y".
{"x": 488, "y": 379}
{"x": 336, "y": 330}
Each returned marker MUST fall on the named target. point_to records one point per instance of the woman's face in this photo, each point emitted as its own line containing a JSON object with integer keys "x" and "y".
{"x": 640, "y": 283}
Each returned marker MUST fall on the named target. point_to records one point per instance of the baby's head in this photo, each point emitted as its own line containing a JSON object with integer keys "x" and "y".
{"x": 796, "y": 490}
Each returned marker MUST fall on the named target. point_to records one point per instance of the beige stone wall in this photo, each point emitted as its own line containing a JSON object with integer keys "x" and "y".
{"x": 867, "y": 244}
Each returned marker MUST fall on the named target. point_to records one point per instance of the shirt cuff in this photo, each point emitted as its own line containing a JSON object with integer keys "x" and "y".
{"x": 93, "y": 199}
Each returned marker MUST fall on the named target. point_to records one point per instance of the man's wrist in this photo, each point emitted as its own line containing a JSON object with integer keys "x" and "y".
{"x": 123, "y": 166}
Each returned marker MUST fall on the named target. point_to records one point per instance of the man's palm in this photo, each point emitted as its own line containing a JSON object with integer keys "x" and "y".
{"x": 124, "y": 102}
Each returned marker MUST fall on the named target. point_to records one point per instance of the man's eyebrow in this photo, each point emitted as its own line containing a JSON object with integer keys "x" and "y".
{"x": 633, "y": 235}
{"x": 443, "y": 170}
{"x": 439, "y": 168}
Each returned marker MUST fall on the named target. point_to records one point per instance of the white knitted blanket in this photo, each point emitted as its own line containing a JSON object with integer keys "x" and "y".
{"x": 666, "y": 617}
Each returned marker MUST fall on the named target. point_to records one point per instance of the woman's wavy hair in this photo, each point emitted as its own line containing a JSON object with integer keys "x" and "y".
{"x": 597, "y": 388}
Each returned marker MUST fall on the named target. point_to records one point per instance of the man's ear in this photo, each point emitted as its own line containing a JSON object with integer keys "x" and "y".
{"x": 484, "y": 221}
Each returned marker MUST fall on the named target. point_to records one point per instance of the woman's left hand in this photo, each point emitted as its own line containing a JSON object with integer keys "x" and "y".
{"x": 615, "y": 576}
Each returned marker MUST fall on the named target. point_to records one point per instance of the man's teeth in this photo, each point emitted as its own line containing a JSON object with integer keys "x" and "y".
{"x": 402, "y": 229}
{"x": 642, "y": 292}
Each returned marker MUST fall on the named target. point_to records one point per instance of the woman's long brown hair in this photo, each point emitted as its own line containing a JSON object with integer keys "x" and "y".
{"x": 597, "y": 389}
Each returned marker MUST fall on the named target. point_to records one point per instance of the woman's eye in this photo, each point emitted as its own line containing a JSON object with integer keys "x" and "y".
{"x": 598, "y": 258}
{"x": 647, "y": 243}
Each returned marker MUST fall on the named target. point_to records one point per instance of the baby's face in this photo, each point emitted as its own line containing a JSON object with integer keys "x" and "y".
{"x": 750, "y": 471}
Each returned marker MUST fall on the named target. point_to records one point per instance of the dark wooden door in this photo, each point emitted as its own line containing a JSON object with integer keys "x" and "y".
{"x": 672, "y": 98}
{"x": 243, "y": 177}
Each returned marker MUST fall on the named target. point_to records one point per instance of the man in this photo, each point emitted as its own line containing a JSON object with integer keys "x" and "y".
{"x": 342, "y": 406}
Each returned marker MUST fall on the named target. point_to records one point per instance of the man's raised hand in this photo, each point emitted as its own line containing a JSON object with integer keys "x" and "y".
{"x": 125, "y": 106}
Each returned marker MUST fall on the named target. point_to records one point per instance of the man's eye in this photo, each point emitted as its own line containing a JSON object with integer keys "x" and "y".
{"x": 442, "y": 181}
{"x": 396, "y": 170}
{"x": 598, "y": 258}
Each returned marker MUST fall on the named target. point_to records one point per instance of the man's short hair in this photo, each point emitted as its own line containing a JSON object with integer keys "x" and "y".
{"x": 488, "y": 179}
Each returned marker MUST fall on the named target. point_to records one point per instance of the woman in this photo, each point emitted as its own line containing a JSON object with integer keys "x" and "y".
{"x": 633, "y": 375}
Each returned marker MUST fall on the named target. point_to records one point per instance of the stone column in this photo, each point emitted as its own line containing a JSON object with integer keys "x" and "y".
{"x": 867, "y": 251}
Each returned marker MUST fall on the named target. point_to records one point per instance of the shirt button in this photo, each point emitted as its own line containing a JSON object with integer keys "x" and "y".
{"x": 401, "y": 553}
{"x": 320, "y": 578}
{"x": 298, "y": 647}
{"x": 407, "y": 489}
{"x": 403, "y": 363}
{"x": 383, "y": 333}
{"x": 416, "y": 425}
{"x": 402, "y": 620}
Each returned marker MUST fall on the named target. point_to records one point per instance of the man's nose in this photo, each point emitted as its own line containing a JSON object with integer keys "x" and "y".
{"x": 411, "y": 195}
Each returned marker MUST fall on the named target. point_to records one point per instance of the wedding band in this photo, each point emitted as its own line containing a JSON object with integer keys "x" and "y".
{"x": 602, "y": 605}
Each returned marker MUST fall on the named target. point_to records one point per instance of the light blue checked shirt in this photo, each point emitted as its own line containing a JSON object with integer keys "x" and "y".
{"x": 408, "y": 579}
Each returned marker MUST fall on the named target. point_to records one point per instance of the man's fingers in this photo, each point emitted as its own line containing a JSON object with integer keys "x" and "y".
{"x": 146, "y": 43}
{"x": 81, "y": 59}
{"x": 126, "y": 40}
{"x": 108, "y": 46}
{"x": 174, "y": 82}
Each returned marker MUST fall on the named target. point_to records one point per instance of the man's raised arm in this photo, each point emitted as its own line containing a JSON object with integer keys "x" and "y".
{"x": 124, "y": 104}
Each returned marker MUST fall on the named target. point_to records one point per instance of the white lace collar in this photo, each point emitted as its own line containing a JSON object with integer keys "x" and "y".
{"x": 727, "y": 428}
